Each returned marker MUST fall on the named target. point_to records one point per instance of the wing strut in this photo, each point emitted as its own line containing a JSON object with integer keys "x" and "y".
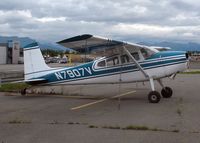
{"x": 137, "y": 64}
{"x": 154, "y": 96}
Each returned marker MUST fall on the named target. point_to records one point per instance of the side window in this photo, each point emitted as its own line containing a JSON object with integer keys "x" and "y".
{"x": 136, "y": 56}
{"x": 112, "y": 61}
{"x": 115, "y": 61}
{"x": 145, "y": 53}
{"x": 102, "y": 63}
{"x": 124, "y": 59}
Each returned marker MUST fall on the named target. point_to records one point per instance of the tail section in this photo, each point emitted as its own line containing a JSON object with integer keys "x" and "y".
{"x": 34, "y": 64}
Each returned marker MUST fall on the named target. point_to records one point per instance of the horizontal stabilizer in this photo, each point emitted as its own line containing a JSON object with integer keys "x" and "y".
{"x": 32, "y": 81}
{"x": 36, "y": 81}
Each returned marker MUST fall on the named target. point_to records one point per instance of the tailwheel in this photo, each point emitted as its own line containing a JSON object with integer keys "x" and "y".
{"x": 167, "y": 92}
{"x": 23, "y": 92}
{"x": 154, "y": 97}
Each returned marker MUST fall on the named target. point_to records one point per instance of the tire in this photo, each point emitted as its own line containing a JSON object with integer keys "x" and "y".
{"x": 23, "y": 92}
{"x": 167, "y": 92}
{"x": 154, "y": 97}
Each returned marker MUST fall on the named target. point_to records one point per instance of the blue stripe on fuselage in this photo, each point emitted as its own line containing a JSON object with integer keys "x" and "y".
{"x": 166, "y": 54}
{"x": 86, "y": 70}
{"x": 109, "y": 74}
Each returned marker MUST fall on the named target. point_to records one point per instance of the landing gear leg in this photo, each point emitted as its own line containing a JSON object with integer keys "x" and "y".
{"x": 166, "y": 91}
{"x": 154, "y": 96}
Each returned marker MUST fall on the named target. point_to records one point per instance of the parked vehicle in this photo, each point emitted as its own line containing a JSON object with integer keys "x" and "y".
{"x": 63, "y": 61}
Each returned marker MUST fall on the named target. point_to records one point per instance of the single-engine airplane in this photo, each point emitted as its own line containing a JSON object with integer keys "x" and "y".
{"x": 120, "y": 62}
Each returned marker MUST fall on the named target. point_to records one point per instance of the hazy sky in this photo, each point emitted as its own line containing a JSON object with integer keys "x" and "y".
{"x": 130, "y": 20}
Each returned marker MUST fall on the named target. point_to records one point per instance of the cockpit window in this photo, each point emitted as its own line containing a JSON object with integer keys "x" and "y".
{"x": 146, "y": 53}
{"x": 136, "y": 56}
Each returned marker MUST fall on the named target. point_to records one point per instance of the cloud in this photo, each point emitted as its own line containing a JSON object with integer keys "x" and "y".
{"x": 52, "y": 20}
{"x": 158, "y": 32}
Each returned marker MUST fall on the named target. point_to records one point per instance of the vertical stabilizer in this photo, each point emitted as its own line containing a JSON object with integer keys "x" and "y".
{"x": 34, "y": 64}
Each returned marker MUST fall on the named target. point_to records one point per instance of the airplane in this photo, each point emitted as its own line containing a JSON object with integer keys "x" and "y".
{"x": 118, "y": 62}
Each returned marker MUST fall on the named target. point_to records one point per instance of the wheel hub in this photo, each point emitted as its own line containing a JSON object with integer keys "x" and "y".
{"x": 153, "y": 97}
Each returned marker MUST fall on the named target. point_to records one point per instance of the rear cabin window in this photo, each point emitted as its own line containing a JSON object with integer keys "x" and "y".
{"x": 102, "y": 63}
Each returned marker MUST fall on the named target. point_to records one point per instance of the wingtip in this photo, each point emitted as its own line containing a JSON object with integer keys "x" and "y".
{"x": 76, "y": 38}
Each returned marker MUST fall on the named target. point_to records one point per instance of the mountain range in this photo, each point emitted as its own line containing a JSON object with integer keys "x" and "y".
{"x": 24, "y": 41}
{"x": 190, "y": 46}
{"x": 54, "y": 46}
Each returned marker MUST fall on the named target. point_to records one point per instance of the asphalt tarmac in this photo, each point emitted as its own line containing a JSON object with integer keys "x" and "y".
{"x": 49, "y": 119}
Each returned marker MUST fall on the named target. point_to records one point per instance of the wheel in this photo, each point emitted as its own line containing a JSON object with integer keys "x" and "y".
{"x": 154, "y": 97}
{"x": 23, "y": 91}
{"x": 167, "y": 92}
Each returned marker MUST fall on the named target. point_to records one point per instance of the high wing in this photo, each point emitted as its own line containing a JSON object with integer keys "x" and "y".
{"x": 98, "y": 45}
{"x": 88, "y": 43}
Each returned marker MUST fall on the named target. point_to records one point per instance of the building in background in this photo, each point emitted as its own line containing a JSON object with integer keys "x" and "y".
{"x": 3, "y": 53}
{"x": 11, "y": 53}
{"x": 15, "y": 52}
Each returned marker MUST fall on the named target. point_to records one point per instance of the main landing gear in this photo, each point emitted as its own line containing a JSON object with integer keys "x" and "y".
{"x": 23, "y": 92}
{"x": 167, "y": 92}
{"x": 154, "y": 96}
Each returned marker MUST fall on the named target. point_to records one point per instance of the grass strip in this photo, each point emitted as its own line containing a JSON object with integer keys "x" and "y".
{"x": 190, "y": 72}
{"x": 13, "y": 87}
